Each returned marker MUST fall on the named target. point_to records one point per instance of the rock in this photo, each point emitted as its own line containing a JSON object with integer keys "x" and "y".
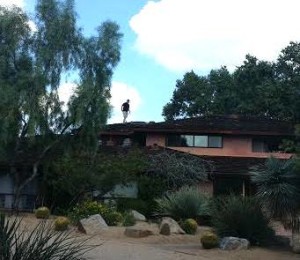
{"x": 138, "y": 216}
{"x": 234, "y": 243}
{"x": 92, "y": 225}
{"x": 173, "y": 226}
{"x": 165, "y": 229}
{"x": 137, "y": 232}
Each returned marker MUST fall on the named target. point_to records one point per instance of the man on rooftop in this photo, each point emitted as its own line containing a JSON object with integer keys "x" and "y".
{"x": 125, "y": 108}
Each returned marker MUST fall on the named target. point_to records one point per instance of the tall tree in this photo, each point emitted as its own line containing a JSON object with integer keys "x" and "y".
{"x": 191, "y": 97}
{"x": 33, "y": 120}
{"x": 269, "y": 89}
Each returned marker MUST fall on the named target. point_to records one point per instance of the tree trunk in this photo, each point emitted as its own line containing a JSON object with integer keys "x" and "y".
{"x": 20, "y": 186}
{"x": 295, "y": 242}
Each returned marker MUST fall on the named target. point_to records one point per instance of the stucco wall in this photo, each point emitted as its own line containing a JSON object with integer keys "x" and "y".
{"x": 155, "y": 139}
{"x": 234, "y": 146}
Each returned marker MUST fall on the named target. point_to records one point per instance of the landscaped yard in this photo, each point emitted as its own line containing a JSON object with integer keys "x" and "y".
{"x": 114, "y": 245}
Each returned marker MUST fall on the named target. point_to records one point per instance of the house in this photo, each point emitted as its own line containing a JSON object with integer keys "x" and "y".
{"x": 27, "y": 197}
{"x": 233, "y": 143}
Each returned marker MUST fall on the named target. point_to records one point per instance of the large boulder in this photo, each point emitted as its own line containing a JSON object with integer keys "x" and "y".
{"x": 141, "y": 229}
{"x": 165, "y": 229}
{"x": 169, "y": 226}
{"x": 138, "y": 216}
{"x": 92, "y": 225}
{"x": 234, "y": 243}
{"x": 137, "y": 232}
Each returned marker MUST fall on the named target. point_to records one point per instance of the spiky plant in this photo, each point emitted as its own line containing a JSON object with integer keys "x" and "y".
{"x": 278, "y": 188}
{"x": 241, "y": 217}
{"x": 187, "y": 202}
{"x": 42, "y": 243}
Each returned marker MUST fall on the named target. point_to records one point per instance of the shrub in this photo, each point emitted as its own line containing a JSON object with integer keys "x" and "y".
{"x": 145, "y": 207}
{"x": 150, "y": 187}
{"x": 42, "y": 212}
{"x": 190, "y": 226}
{"x": 241, "y": 217}
{"x": 128, "y": 219}
{"x": 42, "y": 243}
{"x": 209, "y": 240}
{"x": 88, "y": 208}
{"x": 113, "y": 218}
{"x": 188, "y": 202}
{"x": 61, "y": 223}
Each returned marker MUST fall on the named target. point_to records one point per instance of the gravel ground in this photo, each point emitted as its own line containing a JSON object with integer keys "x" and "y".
{"x": 114, "y": 245}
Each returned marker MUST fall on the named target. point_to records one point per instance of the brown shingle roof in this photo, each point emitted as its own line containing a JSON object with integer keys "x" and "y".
{"x": 213, "y": 124}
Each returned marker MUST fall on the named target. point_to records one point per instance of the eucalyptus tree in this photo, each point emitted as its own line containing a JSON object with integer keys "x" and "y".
{"x": 33, "y": 120}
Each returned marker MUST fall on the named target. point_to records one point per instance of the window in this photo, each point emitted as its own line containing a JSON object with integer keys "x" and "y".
{"x": 215, "y": 141}
{"x": 259, "y": 146}
{"x": 201, "y": 140}
{"x": 210, "y": 141}
{"x": 187, "y": 140}
{"x": 266, "y": 144}
{"x": 2, "y": 200}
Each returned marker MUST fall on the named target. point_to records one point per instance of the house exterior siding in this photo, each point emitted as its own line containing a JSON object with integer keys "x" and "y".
{"x": 28, "y": 196}
{"x": 246, "y": 142}
{"x": 235, "y": 146}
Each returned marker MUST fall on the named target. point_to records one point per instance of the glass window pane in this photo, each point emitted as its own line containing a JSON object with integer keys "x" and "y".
{"x": 173, "y": 140}
{"x": 215, "y": 141}
{"x": 187, "y": 140}
{"x": 259, "y": 146}
{"x": 201, "y": 140}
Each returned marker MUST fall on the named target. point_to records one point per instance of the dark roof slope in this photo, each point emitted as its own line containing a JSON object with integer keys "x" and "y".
{"x": 225, "y": 165}
{"x": 213, "y": 124}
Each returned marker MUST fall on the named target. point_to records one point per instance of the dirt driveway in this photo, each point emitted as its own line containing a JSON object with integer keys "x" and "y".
{"x": 116, "y": 246}
{"x": 121, "y": 250}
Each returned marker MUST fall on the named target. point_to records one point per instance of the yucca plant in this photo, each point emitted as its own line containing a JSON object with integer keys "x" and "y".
{"x": 278, "y": 188}
{"x": 42, "y": 243}
{"x": 241, "y": 217}
{"x": 187, "y": 202}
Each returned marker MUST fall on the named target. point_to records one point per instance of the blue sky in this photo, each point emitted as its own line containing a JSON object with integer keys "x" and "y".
{"x": 164, "y": 39}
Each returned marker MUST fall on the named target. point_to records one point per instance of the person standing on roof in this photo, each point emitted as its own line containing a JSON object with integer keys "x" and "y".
{"x": 125, "y": 108}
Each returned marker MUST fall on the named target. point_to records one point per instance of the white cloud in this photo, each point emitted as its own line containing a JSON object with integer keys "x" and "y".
{"x": 65, "y": 91}
{"x": 205, "y": 34}
{"x": 32, "y": 26}
{"x": 9, "y": 3}
{"x": 120, "y": 92}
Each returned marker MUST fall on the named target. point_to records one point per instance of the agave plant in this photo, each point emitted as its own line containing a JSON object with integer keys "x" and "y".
{"x": 278, "y": 188}
{"x": 241, "y": 217}
{"x": 42, "y": 243}
{"x": 187, "y": 202}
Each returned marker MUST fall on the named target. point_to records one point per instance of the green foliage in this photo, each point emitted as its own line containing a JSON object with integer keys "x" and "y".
{"x": 190, "y": 226}
{"x": 42, "y": 243}
{"x": 150, "y": 187}
{"x": 145, "y": 207}
{"x": 278, "y": 187}
{"x": 261, "y": 88}
{"x": 66, "y": 182}
{"x": 61, "y": 223}
{"x": 241, "y": 217}
{"x": 209, "y": 240}
{"x": 188, "y": 202}
{"x": 113, "y": 218}
{"x": 88, "y": 208}
{"x": 128, "y": 219}
{"x": 33, "y": 120}
{"x": 42, "y": 212}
